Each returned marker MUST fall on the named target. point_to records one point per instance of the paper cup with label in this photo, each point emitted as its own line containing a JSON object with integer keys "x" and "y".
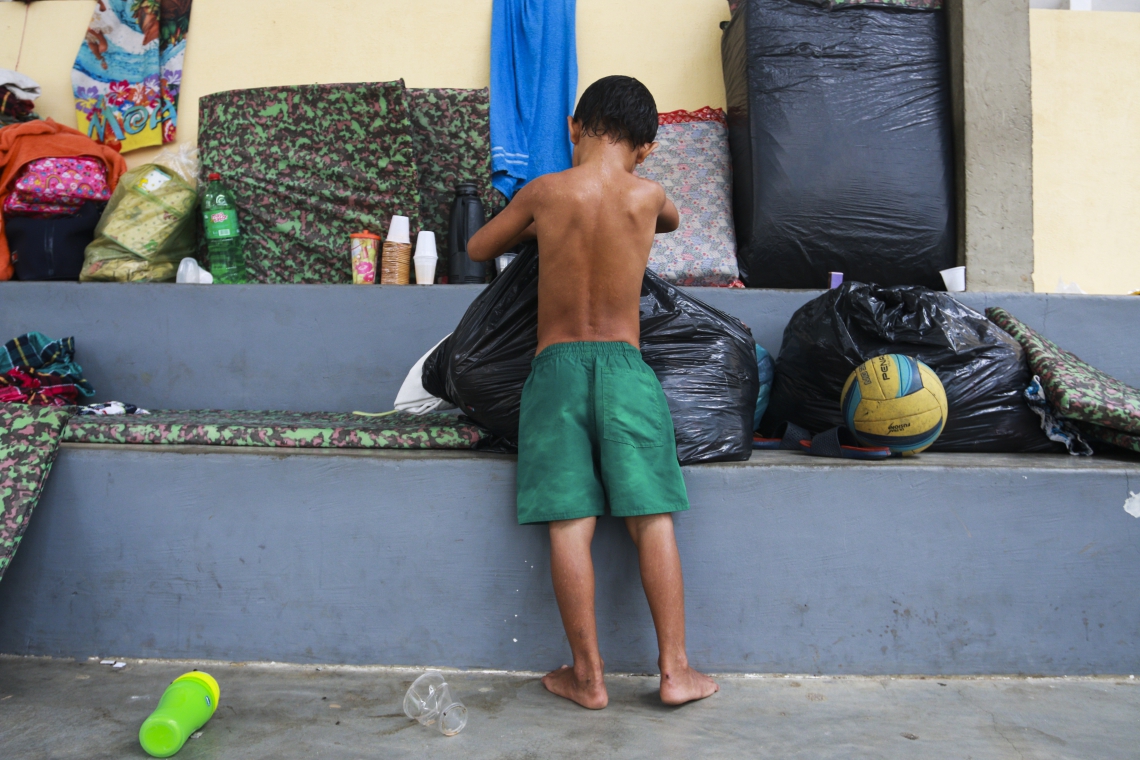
{"x": 365, "y": 248}
{"x": 426, "y": 258}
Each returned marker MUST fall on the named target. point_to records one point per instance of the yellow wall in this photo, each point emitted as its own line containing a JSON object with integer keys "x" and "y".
{"x": 1086, "y": 105}
{"x": 1086, "y": 150}
{"x": 671, "y": 45}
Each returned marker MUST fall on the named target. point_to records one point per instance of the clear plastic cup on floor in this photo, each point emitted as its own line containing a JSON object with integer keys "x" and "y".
{"x": 429, "y": 701}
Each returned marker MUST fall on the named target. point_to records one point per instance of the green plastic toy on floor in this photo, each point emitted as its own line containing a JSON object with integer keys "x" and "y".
{"x": 185, "y": 707}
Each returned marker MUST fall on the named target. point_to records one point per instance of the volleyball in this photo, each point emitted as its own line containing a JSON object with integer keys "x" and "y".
{"x": 894, "y": 401}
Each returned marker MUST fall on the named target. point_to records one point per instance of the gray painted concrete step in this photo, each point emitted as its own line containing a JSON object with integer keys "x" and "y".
{"x": 953, "y": 564}
{"x": 64, "y": 709}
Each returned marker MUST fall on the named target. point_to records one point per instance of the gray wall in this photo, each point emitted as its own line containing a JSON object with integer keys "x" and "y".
{"x": 346, "y": 348}
{"x": 945, "y": 564}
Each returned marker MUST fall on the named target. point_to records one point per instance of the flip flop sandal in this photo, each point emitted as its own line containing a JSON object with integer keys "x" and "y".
{"x": 841, "y": 443}
{"x": 792, "y": 438}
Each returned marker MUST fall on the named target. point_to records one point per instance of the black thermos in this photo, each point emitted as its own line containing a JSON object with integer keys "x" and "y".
{"x": 466, "y": 219}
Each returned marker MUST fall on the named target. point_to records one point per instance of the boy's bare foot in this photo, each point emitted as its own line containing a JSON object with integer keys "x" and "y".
{"x": 590, "y": 692}
{"x": 685, "y": 685}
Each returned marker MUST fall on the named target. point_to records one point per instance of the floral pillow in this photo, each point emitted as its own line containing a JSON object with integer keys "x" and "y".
{"x": 692, "y": 163}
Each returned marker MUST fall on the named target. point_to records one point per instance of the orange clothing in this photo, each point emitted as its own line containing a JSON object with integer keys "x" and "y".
{"x": 31, "y": 140}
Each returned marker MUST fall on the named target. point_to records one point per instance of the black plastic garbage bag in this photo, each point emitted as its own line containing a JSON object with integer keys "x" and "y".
{"x": 839, "y": 123}
{"x": 983, "y": 370}
{"x": 705, "y": 360}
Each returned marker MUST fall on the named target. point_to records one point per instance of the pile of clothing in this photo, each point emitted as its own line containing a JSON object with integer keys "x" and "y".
{"x": 34, "y": 369}
{"x": 18, "y": 95}
{"x": 54, "y": 184}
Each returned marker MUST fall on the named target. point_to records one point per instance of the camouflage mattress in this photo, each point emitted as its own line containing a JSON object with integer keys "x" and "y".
{"x": 328, "y": 430}
{"x": 29, "y": 439}
{"x": 311, "y": 164}
{"x": 1102, "y": 407}
{"x": 451, "y": 132}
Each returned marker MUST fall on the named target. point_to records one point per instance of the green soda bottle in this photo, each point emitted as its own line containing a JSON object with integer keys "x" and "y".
{"x": 185, "y": 707}
{"x": 223, "y": 237}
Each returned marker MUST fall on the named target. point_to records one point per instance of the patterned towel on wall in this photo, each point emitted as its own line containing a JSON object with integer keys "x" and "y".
{"x": 128, "y": 72}
{"x": 451, "y": 130}
{"x": 311, "y": 165}
{"x": 29, "y": 439}
{"x": 335, "y": 430}
{"x": 692, "y": 163}
{"x": 1102, "y": 407}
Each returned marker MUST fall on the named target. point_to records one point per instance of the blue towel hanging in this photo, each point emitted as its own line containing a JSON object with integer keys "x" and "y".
{"x": 534, "y": 80}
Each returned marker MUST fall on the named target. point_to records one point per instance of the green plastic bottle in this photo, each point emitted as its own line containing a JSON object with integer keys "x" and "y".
{"x": 185, "y": 707}
{"x": 223, "y": 236}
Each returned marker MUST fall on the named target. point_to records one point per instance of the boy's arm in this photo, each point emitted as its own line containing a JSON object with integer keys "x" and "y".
{"x": 513, "y": 225}
{"x": 668, "y": 219}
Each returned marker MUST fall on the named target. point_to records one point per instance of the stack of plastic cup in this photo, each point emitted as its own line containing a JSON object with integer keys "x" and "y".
{"x": 430, "y": 702}
{"x": 425, "y": 258}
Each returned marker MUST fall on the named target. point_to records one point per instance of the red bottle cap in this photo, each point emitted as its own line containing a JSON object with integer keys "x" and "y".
{"x": 214, "y": 176}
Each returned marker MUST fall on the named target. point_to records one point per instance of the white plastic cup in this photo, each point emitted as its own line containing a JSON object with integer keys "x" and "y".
{"x": 425, "y": 269}
{"x": 426, "y": 257}
{"x": 399, "y": 230}
{"x": 425, "y": 244}
{"x": 191, "y": 274}
{"x": 955, "y": 279}
{"x": 429, "y": 701}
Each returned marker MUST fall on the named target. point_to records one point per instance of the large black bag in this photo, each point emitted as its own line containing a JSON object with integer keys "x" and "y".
{"x": 704, "y": 359}
{"x": 981, "y": 367}
{"x": 839, "y": 123}
{"x": 51, "y": 249}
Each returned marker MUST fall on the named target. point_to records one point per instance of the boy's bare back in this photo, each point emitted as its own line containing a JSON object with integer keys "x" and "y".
{"x": 595, "y": 224}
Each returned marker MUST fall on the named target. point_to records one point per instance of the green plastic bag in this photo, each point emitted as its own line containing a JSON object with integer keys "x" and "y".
{"x": 149, "y": 225}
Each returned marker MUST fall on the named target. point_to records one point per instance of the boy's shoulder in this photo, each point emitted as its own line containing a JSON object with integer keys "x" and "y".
{"x": 577, "y": 178}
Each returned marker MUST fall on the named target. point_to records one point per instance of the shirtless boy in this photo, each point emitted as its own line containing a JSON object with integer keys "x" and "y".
{"x": 595, "y": 428}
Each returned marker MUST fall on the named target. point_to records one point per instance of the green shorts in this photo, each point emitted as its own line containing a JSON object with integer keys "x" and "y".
{"x": 595, "y": 429}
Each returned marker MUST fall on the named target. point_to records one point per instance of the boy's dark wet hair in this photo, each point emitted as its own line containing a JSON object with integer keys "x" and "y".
{"x": 620, "y": 108}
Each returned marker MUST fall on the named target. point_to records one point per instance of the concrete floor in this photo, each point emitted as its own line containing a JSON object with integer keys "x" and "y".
{"x": 67, "y": 709}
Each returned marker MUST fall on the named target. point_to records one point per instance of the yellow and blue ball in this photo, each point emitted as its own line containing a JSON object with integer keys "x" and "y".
{"x": 894, "y": 401}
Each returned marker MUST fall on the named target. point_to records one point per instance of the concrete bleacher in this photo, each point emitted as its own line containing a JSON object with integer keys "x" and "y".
{"x": 953, "y": 563}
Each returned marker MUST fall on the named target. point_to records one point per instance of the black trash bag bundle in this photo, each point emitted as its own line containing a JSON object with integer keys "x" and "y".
{"x": 982, "y": 368}
{"x": 705, "y": 360}
{"x": 839, "y": 123}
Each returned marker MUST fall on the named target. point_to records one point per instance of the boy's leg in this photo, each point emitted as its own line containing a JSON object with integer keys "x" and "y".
{"x": 665, "y": 589}
{"x": 572, "y": 570}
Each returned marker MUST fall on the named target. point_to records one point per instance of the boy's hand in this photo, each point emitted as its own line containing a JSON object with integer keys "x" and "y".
{"x": 513, "y": 225}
